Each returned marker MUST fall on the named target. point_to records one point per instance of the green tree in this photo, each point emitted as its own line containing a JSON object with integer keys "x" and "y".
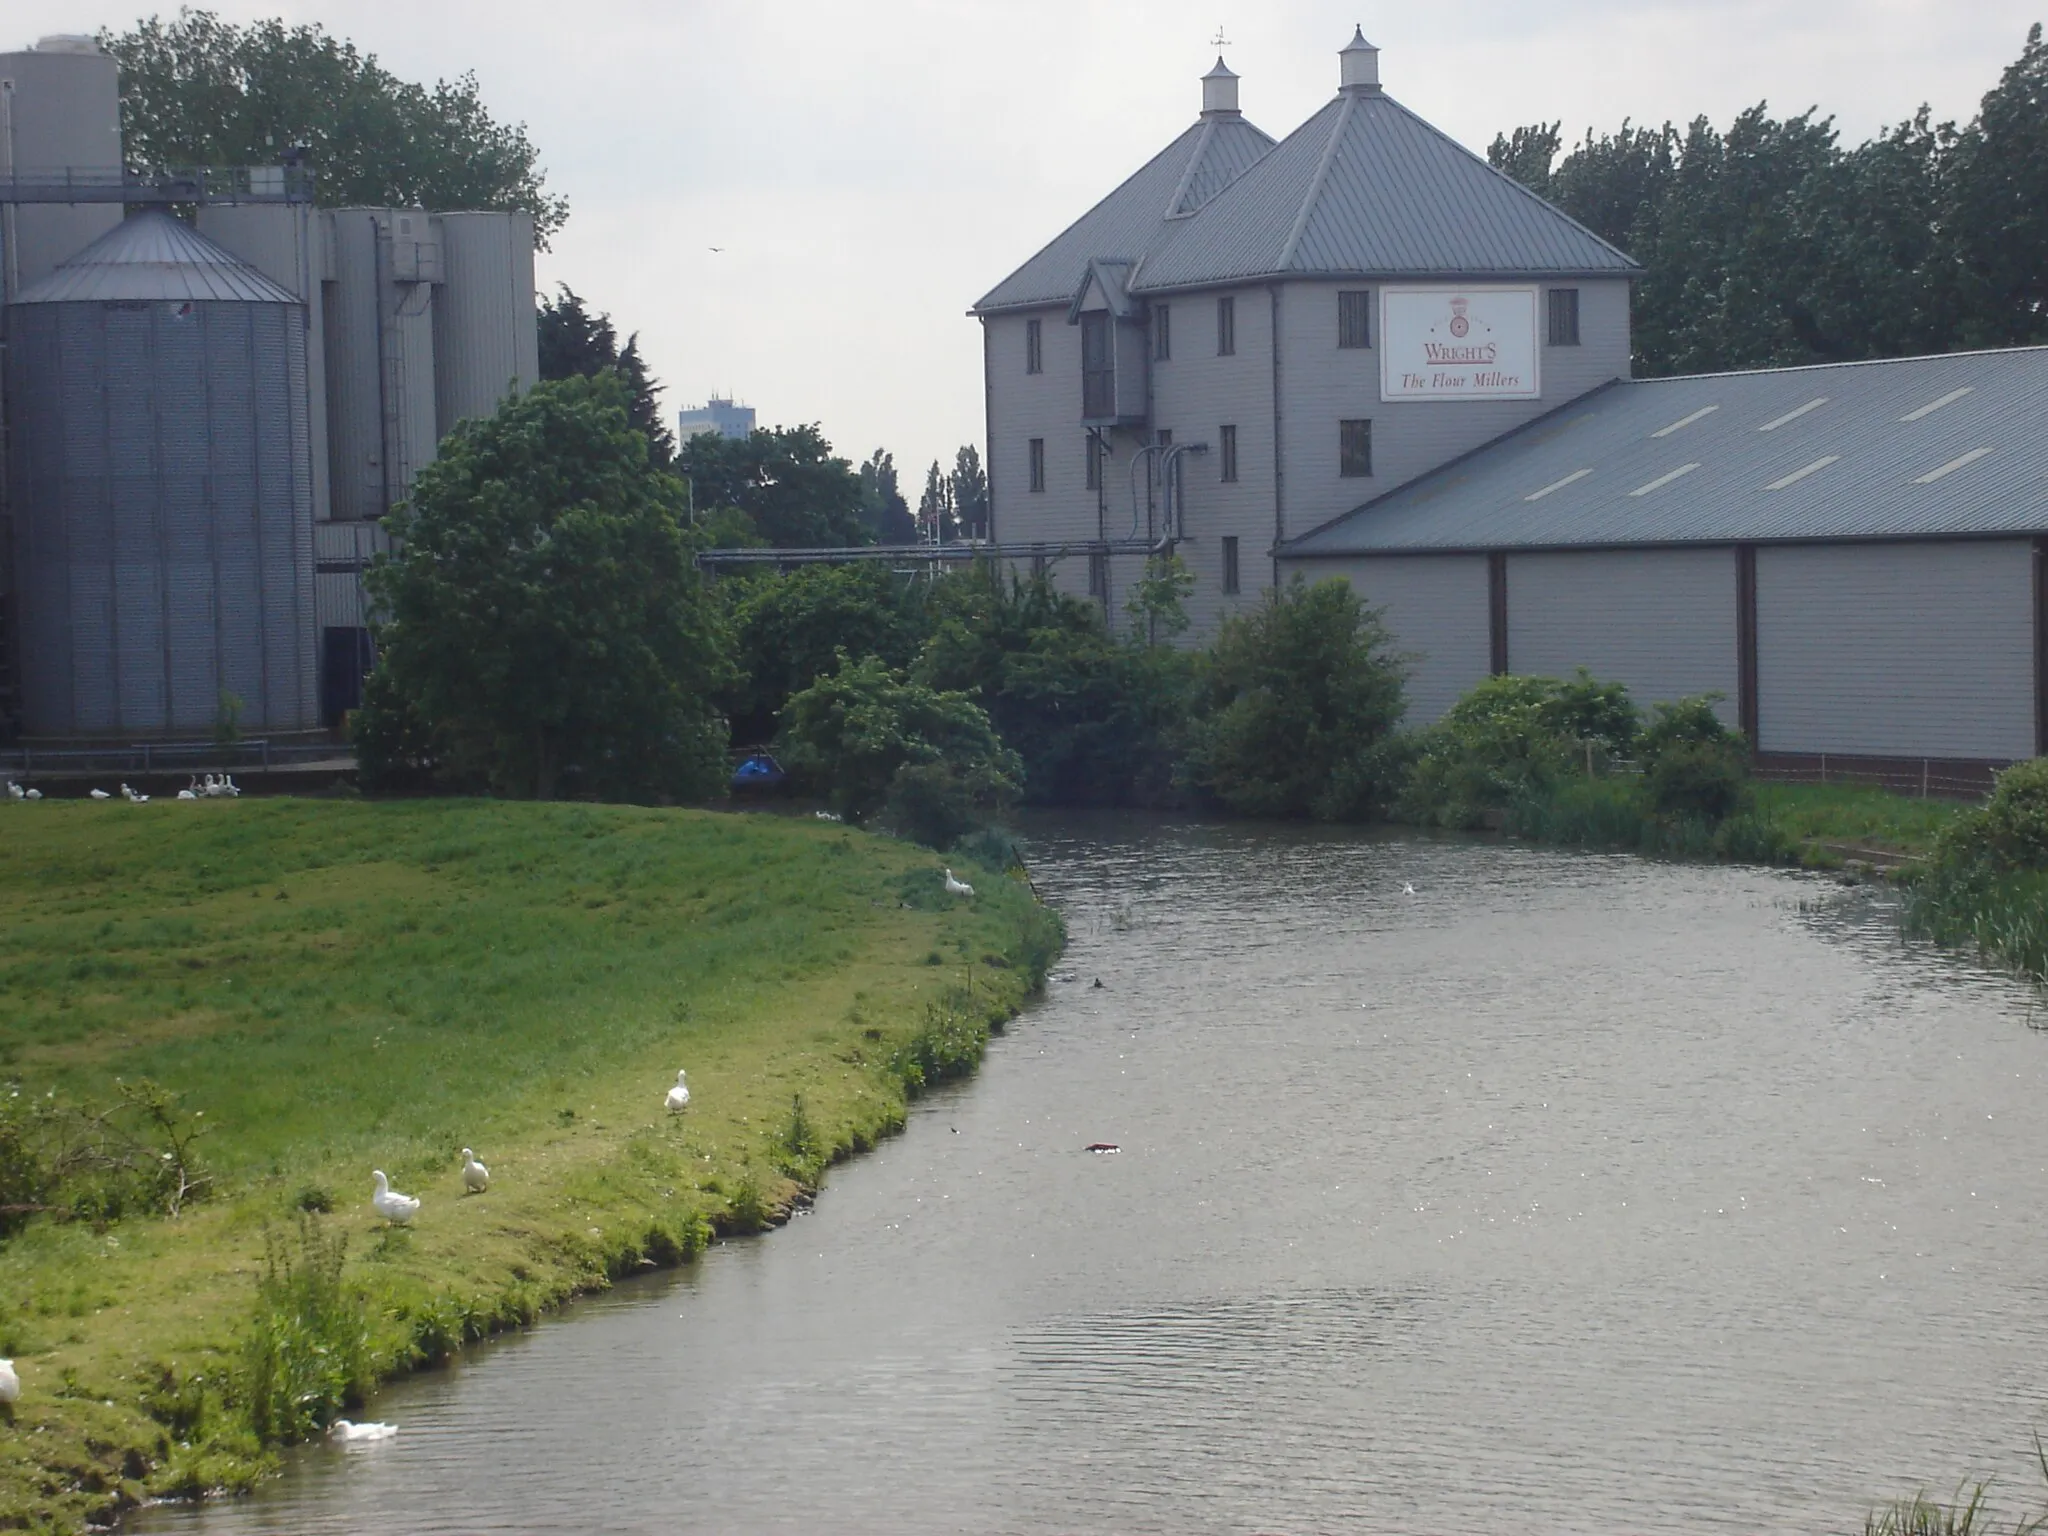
{"x": 968, "y": 487}
{"x": 935, "y": 513}
{"x": 787, "y": 480}
{"x": 880, "y": 744}
{"x": 1304, "y": 693}
{"x": 2000, "y": 209}
{"x": 546, "y": 630}
{"x": 788, "y": 628}
{"x": 577, "y": 343}
{"x": 882, "y": 503}
{"x": 197, "y": 90}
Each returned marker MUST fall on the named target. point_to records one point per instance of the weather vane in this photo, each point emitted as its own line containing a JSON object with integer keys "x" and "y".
{"x": 1219, "y": 40}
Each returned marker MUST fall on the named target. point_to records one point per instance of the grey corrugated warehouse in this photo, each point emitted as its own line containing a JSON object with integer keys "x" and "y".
{"x": 146, "y": 448}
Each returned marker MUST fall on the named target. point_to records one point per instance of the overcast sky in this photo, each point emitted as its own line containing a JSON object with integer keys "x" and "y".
{"x": 870, "y": 170}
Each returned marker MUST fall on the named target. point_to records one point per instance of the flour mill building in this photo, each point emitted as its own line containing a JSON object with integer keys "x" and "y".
{"x": 1361, "y": 351}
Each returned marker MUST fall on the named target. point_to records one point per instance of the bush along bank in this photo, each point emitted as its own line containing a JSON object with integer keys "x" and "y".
{"x": 284, "y": 995}
{"x": 1985, "y": 885}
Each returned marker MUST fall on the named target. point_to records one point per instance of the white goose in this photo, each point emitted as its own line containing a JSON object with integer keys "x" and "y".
{"x": 10, "y": 1384}
{"x": 679, "y": 1096}
{"x": 34, "y": 794}
{"x": 957, "y": 887}
{"x": 476, "y": 1178}
{"x": 352, "y": 1433}
{"x": 15, "y": 791}
{"x": 132, "y": 797}
{"x": 387, "y": 1202}
{"x": 101, "y": 794}
{"x": 228, "y": 786}
{"x": 188, "y": 794}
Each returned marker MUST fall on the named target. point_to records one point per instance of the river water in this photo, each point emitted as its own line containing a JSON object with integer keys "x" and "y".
{"x": 1568, "y": 1193}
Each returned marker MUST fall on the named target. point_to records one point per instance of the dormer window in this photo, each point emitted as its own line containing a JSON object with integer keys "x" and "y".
{"x": 1098, "y": 367}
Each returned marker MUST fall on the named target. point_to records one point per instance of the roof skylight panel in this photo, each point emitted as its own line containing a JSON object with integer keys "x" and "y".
{"x": 1798, "y": 475}
{"x": 1793, "y": 415}
{"x": 1663, "y": 480}
{"x": 1952, "y": 466}
{"x": 1934, "y": 405}
{"x": 1686, "y": 421}
{"x": 1558, "y": 485}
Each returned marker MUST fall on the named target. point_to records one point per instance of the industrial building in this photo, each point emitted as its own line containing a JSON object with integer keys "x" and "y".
{"x": 1361, "y": 351}
{"x": 719, "y": 415}
{"x": 206, "y": 421}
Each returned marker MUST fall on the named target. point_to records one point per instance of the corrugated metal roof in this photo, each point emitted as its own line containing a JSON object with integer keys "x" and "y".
{"x": 1904, "y": 448}
{"x": 1366, "y": 187}
{"x": 154, "y": 256}
{"x": 1132, "y": 219}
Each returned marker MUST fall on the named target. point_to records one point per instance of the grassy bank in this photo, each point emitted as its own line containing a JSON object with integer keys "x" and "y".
{"x": 1818, "y": 826}
{"x": 332, "y": 987}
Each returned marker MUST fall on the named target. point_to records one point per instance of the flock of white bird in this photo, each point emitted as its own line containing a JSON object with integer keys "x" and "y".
{"x": 221, "y": 786}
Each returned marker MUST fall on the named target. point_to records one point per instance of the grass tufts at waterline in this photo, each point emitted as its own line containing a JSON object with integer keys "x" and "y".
{"x": 332, "y": 987}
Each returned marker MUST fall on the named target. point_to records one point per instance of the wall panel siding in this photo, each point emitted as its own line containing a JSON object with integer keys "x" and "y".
{"x": 1908, "y": 650}
{"x": 1435, "y": 607}
{"x": 1661, "y": 621}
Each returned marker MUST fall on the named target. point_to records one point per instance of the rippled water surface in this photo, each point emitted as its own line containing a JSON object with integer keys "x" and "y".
{"x": 1566, "y": 1194}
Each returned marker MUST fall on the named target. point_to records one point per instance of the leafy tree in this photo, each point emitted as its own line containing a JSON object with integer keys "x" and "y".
{"x": 788, "y": 628}
{"x": 546, "y": 629}
{"x": 882, "y": 500}
{"x": 968, "y": 487}
{"x": 1771, "y": 243}
{"x": 1505, "y": 739}
{"x": 1304, "y": 693}
{"x": 2008, "y": 833}
{"x": 881, "y": 744}
{"x": 935, "y": 511}
{"x": 1095, "y": 718}
{"x": 197, "y": 90}
{"x": 787, "y": 480}
{"x": 574, "y": 343}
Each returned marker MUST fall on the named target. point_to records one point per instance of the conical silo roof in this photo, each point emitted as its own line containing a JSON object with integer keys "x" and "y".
{"x": 152, "y": 256}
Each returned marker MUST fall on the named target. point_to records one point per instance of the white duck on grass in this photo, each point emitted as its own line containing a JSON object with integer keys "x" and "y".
{"x": 10, "y": 1384}
{"x": 679, "y": 1096}
{"x": 387, "y": 1202}
{"x": 957, "y": 887}
{"x": 100, "y": 794}
{"x": 476, "y": 1178}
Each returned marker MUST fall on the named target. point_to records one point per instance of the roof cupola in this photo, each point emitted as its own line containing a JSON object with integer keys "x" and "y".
{"x": 1219, "y": 91}
{"x": 1361, "y": 65}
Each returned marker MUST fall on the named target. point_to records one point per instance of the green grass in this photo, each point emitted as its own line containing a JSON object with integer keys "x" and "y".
{"x": 340, "y": 986}
{"x": 2001, "y": 917}
{"x": 1820, "y": 826}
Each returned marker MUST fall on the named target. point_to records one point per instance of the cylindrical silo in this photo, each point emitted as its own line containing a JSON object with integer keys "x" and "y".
{"x": 60, "y": 111}
{"x": 485, "y": 338}
{"x": 161, "y": 496}
{"x": 380, "y": 356}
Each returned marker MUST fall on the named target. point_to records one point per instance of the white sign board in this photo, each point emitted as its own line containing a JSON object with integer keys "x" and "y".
{"x": 1458, "y": 344}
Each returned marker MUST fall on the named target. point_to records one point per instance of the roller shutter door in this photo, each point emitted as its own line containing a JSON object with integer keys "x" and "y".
{"x": 1896, "y": 650}
{"x": 1661, "y": 621}
{"x": 1436, "y": 607}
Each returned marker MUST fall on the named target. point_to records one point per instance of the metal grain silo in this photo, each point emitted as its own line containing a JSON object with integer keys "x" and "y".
{"x": 486, "y": 344}
{"x": 158, "y": 471}
{"x": 379, "y": 333}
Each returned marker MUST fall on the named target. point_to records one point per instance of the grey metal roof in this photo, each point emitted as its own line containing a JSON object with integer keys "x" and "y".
{"x": 154, "y": 256}
{"x": 1132, "y": 219}
{"x": 1904, "y": 448}
{"x": 1366, "y": 187}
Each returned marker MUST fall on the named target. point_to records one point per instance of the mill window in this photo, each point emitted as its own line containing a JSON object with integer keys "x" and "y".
{"x": 1162, "y": 331}
{"x": 1228, "y": 436}
{"x": 1098, "y": 574}
{"x": 1034, "y": 346}
{"x": 1091, "y": 462}
{"x": 1098, "y": 367}
{"x": 1229, "y": 563}
{"x": 1038, "y": 464}
{"x": 1564, "y": 317}
{"x": 1354, "y": 448}
{"x": 1226, "y": 326}
{"x": 1354, "y": 317}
